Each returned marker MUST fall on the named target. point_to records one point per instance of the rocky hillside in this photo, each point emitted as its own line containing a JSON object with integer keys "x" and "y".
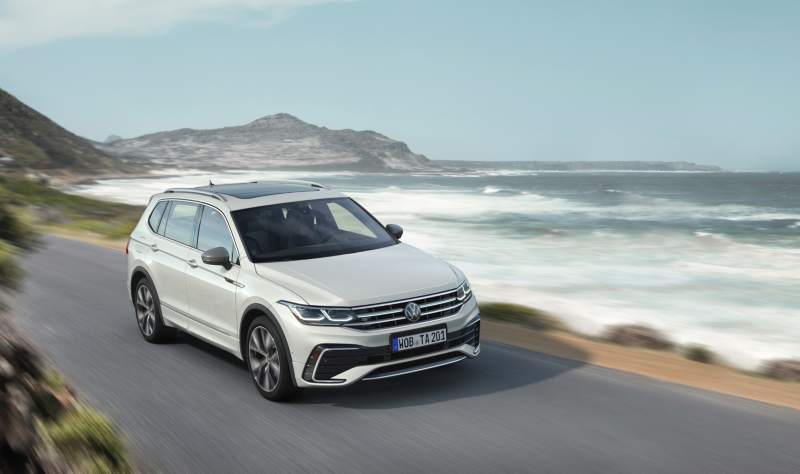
{"x": 276, "y": 141}
{"x": 578, "y": 165}
{"x": 35, "y": 141}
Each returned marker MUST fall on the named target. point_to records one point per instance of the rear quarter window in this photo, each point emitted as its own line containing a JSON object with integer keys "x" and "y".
{"x": 164, "y": 219}
{"x": 155, "y": 216}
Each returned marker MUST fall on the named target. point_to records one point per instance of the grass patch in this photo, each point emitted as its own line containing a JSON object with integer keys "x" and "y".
{"x": 52, "y": 380}
{"x": 522, "y": 315}
{"x": 86, "y": 439}
{"x": 49, "y": 207}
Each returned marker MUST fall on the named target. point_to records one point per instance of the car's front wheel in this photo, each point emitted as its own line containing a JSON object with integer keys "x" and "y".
{"x": 148, "y": 313}
{"x": 269, "y": 361}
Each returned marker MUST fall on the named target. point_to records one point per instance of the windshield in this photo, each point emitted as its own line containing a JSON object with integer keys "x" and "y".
{"x": 308, "y": 229}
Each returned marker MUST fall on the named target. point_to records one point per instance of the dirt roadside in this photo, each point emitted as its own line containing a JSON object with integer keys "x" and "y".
{"x": 665, "y": 366}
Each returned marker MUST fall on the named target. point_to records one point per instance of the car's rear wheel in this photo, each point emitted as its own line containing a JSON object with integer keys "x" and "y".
{"x": 148, "y": 313}
{"x": 268, "y": 360}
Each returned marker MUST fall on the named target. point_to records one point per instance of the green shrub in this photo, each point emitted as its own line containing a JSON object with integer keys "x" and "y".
{"x": 15, "y": 236}
{"x": 86, "y": 436}
{"x": 10, "y": 273}
{"x": 699, "y": 353}
{"x": 13, "y": 229}
{"x": 518, "y": 314}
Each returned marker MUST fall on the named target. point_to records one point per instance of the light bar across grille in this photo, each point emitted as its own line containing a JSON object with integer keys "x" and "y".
{"x": 389, "y": 315}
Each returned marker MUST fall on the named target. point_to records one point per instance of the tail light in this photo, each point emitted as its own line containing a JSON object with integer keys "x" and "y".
{"x": 127, "y": 245}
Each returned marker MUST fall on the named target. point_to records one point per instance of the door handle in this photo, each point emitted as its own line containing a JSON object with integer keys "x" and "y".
{"x": 192, "y": 263}
{"x": 154, "y": 247}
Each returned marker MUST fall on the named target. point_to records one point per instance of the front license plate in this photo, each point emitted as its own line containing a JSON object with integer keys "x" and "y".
{"x": 418, "y": 340}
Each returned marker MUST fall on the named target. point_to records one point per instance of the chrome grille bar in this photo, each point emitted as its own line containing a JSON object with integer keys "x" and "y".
{"x": 442, "y": 309}
{"x": 428, "y": 305}
{"x": 381, "y": 313}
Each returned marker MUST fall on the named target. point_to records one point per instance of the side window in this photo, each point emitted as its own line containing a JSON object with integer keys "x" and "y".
{"x": 345, "y": 220}
{"x": 155, "y": 216}
{"x": 164, "y": 219}
{"x": 214, "y": 233}
{"x": 180, "y": 225}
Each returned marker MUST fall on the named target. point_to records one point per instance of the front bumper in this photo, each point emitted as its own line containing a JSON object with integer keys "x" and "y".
{"x": 337, "y": 357}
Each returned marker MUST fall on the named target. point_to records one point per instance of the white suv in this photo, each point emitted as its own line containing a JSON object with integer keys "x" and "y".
{"x": 300, "y": 282}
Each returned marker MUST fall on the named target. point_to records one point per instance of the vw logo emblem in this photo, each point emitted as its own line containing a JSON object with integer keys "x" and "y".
{"x": 412, "y": 312}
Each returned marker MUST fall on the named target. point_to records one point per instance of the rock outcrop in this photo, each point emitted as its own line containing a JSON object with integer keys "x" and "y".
{"x": 639, "y": 336}
{"x": 786, "y": 370}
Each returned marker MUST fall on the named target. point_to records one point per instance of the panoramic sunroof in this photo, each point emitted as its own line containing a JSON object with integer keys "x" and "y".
{"x": 254, "y": 190}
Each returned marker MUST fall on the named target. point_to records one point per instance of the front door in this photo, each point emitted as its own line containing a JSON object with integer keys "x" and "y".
{"x": 212, "y": 288}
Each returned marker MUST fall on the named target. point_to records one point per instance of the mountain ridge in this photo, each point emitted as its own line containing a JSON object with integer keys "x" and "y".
{"x": 274, "y": 141}
{"x": 35, "y": 141}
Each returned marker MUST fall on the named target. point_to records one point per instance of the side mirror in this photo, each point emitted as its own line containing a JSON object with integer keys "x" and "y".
{"x": 217, "y": 256}
{"x": 395, "y": 230}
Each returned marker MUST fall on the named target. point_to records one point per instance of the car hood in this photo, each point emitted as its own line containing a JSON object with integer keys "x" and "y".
{"x": 375, "y": 276}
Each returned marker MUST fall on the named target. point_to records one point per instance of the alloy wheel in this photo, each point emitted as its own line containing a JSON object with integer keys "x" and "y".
{"x": 265, "y": 362}
{"x": 145, "y": 310}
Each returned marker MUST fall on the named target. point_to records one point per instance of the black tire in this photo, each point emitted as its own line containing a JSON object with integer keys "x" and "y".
{"x": 148, "y": 315}
{"x": 278, "y": 388}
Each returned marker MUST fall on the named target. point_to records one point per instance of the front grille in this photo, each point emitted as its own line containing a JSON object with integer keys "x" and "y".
{"x": 389, "y": 315}
{"x": 334, "y": 361}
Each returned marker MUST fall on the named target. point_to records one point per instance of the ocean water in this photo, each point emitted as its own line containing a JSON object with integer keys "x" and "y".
{"x": 708, "y": 258}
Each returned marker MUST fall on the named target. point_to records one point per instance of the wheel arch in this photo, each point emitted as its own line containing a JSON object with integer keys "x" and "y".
{"x": 136, "y": 276}
{"x": 250, "y": 314}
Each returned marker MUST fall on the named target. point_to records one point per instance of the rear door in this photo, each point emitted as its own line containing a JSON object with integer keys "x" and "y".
{"x": 212, "y": 288}
{"x": 167, "y": 260}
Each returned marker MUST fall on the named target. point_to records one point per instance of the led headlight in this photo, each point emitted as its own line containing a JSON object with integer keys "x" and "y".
{"x": 464, "y": 291}
{"x": 316, "y": 316}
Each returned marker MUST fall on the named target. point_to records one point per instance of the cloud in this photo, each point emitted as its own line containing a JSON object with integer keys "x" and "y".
{"x": 29, "y": 22}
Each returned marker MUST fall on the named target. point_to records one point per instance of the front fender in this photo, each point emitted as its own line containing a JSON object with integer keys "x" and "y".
{"x": 277, "y": 320}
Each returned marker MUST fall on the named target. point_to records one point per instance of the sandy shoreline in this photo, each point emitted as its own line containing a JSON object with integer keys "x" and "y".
{"x": 67, "y": 178}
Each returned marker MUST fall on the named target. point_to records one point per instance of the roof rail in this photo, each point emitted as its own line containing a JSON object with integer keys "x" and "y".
{"x": 291, "y": 181}
{"x": 197, "y": 191}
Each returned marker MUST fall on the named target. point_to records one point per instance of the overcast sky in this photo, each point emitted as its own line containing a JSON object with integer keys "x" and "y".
{"x": 713, "y": 82}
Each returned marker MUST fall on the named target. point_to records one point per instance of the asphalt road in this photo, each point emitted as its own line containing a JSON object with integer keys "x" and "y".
{"x": 189, "y": 407}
